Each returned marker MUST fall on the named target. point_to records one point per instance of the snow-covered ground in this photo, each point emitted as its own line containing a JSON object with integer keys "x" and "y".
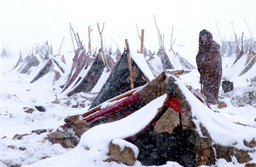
{"x": 226, "y": 126}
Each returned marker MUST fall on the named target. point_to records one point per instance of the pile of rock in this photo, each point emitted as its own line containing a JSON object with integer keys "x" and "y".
{"x": 69, "y": 134}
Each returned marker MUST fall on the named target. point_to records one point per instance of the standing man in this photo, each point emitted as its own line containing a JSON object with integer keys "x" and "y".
{"x": 209, "y": 64}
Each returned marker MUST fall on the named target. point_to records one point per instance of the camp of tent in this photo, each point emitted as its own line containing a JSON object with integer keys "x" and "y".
{"x": 123, "y": 103}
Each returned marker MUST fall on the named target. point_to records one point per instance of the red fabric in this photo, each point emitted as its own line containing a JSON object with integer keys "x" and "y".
{"x": 63, "y": 59}
{"x": 174, "y": 103}
{"x": 119, "y": 106}
{"x": 205, "y": 102}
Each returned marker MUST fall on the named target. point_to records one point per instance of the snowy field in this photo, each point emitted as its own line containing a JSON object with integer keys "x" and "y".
{"x": 227, "y": 125}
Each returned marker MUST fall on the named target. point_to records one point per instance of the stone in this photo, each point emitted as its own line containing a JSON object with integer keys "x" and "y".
{"x": 114, "y": 152}
{"x": 224, "y": 152}
{"x": 65, "y": 139}
{"x": 39, "y": 131}
{"x": 227, "y": 86}
{"x": 30, "y": 110}
{"x": 57, "y": 135}
{"x": 79, "y": 129}
{"x": 71, "y": 119}
{"x": 250, "y": 165}
{"x": 250, "y": 144}
{"x": 40, "y": 108}
{"x": 81, "y": 123}
{"x": 19, "y": 137}
{"x": 127, "y": 156}
{"x": 204, "y": 151}
{"x": 242, "y": 156}
{"x": 22, "y": 148}
{"x": 222, "y": 105}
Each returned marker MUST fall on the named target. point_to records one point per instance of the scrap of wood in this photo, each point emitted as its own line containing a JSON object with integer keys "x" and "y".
{"x": 177, "y": 72}
{"x": 97, "y": 108}
{"x": 129, "y": 63}
{"x": 142, "y": 41}
{"x": 101, "y": 41}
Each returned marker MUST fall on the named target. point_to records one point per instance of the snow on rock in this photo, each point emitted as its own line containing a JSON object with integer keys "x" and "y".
{"x": 123, "y": 144}
{"x": 123, "y": 128}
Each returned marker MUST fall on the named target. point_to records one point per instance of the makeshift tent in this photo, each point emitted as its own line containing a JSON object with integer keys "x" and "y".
{"x": 42, "y": 53}
{"x": 86, "y": 83}
{"x": 130, "y": 102}
{"x": 119, "y": 82}
{"x": 238, "y": 66}
{"x": 51, "y": 65}
{"x": 84, "y": 76}
{"x": 19, "y": 62}
{"x": 5, "y": 53}
{"x": 78, "y": 65}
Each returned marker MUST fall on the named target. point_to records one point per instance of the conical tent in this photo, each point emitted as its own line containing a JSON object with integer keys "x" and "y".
{"x": 118, "y": 81}
{"x": 49, "y": 65}
{"x": 92, "y": 77}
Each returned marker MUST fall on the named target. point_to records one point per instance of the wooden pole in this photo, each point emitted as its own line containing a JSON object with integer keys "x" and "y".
{"x": 142, "y": 41}
{"x": 129, "y": 62}
{"x": 93, "y": 110}
{"x": 72, "y": 30}
{"x": 89, "y": 40}
{"x": 100, "y": 32}
{"x": 60, "y": 45}
{"x": 72, "y": 39}
{"x": 171, "y": 42}
{"x": 160, "y": 37}
{"x": 237, "y": 45}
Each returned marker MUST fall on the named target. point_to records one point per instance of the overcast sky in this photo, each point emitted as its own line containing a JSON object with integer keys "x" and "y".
{"x": 27, "y": 22}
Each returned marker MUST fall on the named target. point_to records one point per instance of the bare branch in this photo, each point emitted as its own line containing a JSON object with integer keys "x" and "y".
{"x": 72, "y": 38}
{"x": 138, "y": 31}
{"x": 237, "y": 45}
{"x": 250, "y": 33}
{"x": 103, "y": 54}
{"x": 61, "y": 45}
{"x": 161, "y": 44}
{"x": 72, "y": 30}
{"x": 89, "y": 40}
{"x": 171, "y": 42}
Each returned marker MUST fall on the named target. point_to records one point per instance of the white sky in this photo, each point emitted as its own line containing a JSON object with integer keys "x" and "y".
{"x": 26, "y": 22}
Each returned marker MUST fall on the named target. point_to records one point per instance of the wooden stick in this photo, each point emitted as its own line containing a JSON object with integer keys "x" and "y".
{"x": 97, "y": 108}
{"x": 237, "y": 45}
{"x": 72, "y": 39}
{"x": 129, "y": 63}
{"x": 160, "y": 36}
{"x": 250, "y": 34}
{"x": 218, "y": 30}
{"x": 89, "y": 40}
{"x": 79, "y": 41}
{"x": 142, "y": 41}
{"x": 100, "y": 32}
{"x": 72, "y": 30}
{"x": 171, "y": 43}
{"x": 60, "y": 45}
